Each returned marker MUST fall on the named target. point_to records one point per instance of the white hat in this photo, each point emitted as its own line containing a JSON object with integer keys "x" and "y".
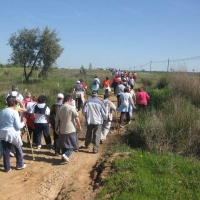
{"x": 60, "y": 95}
{"x": 78, "y": 82}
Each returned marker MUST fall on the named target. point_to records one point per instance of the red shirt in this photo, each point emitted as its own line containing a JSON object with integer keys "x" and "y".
{"x": 142, "y": 98}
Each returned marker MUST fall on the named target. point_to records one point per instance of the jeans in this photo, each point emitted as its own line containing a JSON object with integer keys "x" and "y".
{"x": 67, "y": 152}
{"x": 6, "y": 155}
{"x": 93, "y": 135}
{"x": 39, "y": 128}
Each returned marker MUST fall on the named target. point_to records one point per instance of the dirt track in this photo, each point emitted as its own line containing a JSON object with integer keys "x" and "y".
{"x": 47, "y": 176}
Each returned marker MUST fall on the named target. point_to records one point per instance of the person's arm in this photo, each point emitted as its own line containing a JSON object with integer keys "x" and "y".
{"x": 78, "y": 123}
{"x": 131, "y": 101}
{"x": 22, "y": 107}
{"x": 17, "y": 123}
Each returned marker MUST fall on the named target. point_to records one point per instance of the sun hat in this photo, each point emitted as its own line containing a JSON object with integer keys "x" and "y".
{"x": 60, "y": 95}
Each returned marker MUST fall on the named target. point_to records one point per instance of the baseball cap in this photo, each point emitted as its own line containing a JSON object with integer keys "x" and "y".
{"x": 94, "y": 94}
{"x": 78, "y": 82}
{"x": 60, "y": 95}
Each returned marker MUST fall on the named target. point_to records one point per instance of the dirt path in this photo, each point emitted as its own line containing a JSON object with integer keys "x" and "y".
{"x": 48, "y": 178}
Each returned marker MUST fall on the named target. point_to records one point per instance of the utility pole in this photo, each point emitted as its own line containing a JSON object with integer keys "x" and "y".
{"x": 150, "y": 66}
{"x": 168, "y": 65}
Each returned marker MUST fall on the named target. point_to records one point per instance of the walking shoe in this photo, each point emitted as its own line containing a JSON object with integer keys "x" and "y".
{"x": 9, "y": 170}
{"x": 65, "y": 158}
{"x": 24, "y": 166}
{"x": 39, "y": 147}
{"x": 95, "y": 151}
{"x": 129, "y": 122}
{"x": 12, "y": 154}
{"x": 121, "y": 126}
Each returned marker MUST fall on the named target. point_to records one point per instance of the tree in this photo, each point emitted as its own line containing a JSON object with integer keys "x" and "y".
{"x": 35, "y": 49}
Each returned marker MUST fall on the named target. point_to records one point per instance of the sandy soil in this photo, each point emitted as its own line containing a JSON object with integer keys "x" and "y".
{"x": 49, "y": 178}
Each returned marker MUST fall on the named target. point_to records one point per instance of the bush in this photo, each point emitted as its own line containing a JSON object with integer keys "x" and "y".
{"x": 175, "y": 129}
{"x": 158, "y": 98}
{"x": 162, "y": 83}
{"x": 146, "y": 81}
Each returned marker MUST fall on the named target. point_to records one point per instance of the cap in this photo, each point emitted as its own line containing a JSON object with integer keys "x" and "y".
{"x": 14, "y": 87}
{"x": 78, "y": 82}
{"x": 94, "y": 94}
{"x": 60, "y": 95}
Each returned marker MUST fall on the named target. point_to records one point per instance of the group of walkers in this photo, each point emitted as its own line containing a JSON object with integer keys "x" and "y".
{"x": 35, "y": 117}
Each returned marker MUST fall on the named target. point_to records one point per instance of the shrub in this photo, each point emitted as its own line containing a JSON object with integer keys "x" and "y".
{"x": 175, "y": 129}
{"x": 158, "y": 98}
{"x": 162, "y": 83}
{"x": 146, "y": 81}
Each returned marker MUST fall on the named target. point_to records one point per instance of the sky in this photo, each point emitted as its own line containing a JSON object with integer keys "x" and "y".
{"x": 123, "y": 34}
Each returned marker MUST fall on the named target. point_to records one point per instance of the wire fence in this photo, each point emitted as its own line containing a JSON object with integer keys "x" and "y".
{"x": 170, "y": 65}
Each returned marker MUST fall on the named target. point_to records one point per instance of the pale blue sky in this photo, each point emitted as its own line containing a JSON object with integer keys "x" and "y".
{"x": 111, "y": 33}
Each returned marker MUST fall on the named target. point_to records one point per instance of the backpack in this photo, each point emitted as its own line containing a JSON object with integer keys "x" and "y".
{"x": 125, "y": 101}
{"x": 107, "y": 110}
{"x": 27, "y": 100}
{"x": 53, "y": 112}
{"x": 95, "y": 82}
{"x": 106, "y": 83}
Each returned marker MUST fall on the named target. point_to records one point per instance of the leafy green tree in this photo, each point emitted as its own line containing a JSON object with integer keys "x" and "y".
{"x": 35, "y": 49}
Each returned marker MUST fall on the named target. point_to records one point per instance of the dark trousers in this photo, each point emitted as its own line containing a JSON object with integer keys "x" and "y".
{"x": 39, "y": 128}
{"x": 32, "y": 134}
{"x": 124, "y": 115}
{"x": 55, "y": 138}
{"x": 118, "y": 101}
{"x": 93, "y": 135}
{"x": 78, "y": 103}
{"x": 6, "y": 155}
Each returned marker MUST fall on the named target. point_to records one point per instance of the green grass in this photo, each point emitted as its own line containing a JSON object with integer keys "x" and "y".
{"x": 152, "y": 176}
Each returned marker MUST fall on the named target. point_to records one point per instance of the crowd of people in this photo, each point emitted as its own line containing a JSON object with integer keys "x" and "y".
{"x": 32, "y": 114}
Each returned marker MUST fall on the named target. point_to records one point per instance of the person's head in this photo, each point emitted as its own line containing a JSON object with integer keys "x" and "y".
{"x": 141, "y": 89}
{"x": 96, "y": 76}
{"x": 41, "y": 99}
{"x": 67, "y": 98}
{"x": 28, "y": 95}
{"x": 78, "y": 82}
{"x": 11, "y": 101}
{"x": 81, "y": 80}
{"x": 35, "y": 97}
{"x": 107, "y": 78}
{"x": 14, "y": 87}
{"x": 106, "y": 96}
{"x": 94, "y": 94}
{"x": 126, "y": 89}
{"x": 60, "y": 96}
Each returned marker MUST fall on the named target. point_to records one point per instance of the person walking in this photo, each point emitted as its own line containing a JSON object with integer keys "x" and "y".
{"x": 95, "y": 83}
{"x": 30, "y": 121}
{"x": 125, "y": 102}
{"x": 41, "y": 114}
{"x": 65, "y": 127}
{"x": 119, "y": 90}
{"x": 15, "y": 93}
{"x": 78, "y": 93}
{"x": 53, "y": 111}
{"x": 142, "y": 98}
{"x": 10, "y": 125}
{"x": 106, "y": 85}
{"x": 110, "y": 106}
{"x": 95, "y": 113}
